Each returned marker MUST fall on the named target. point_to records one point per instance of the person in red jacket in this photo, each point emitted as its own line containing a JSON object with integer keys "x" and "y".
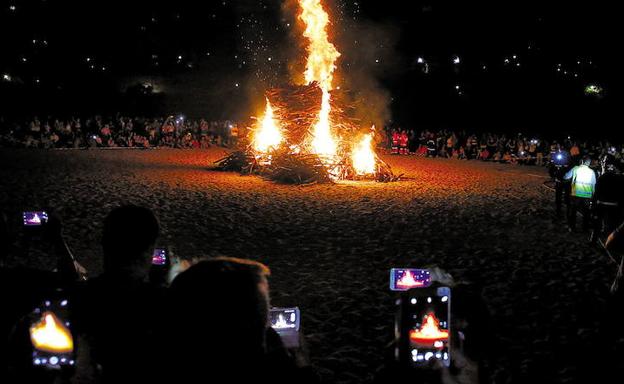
{"x": 403, "y": 142}
{"x": 395, "y": 142}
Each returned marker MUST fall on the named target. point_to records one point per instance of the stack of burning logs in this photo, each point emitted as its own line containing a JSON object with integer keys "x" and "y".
{"x": 296, "y": 110}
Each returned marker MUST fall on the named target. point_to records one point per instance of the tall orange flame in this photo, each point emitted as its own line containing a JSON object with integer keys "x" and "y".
{"x": 322, "y": 56}
{"x": 269, "y": 135}
{"x": 51, "y": 335}
{"x": 363, "y": 159}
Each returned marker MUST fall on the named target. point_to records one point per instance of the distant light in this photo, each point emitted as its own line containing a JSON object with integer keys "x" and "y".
{"x": 269, "y": 59}
{"x": 7, "y": 77}
{"x": 236, "y": 85}
{"x": 34, "y": 41}
{"x": 420, "y": 60}
{"x": 558, "y": 69}
{"x": 88, "y": 59}
{"x": 456, "y": 59}
{"x": 593, "y": 89}
{"x": 517, "y": 64}
{"x": 24, "y": 59}
{"x": 179, "y": 57}
{"x": 12, "y": 7}
{"x": 376, "y": 60}
{"x": 514, "y": 57}
{"x": 578, "y": 62}
{"x": 457, "y": 87}
{"x": 484, "y": 67}
{"x": 506, "y": 61}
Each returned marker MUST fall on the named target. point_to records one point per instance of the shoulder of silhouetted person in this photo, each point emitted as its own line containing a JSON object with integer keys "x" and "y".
{"x": 121, "y": 321}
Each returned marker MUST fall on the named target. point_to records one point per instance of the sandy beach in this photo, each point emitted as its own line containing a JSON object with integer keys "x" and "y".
{"x": 330, "y": 247}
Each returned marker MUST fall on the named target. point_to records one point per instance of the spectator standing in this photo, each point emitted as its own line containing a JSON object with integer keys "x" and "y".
{"x": 583, "y": 182}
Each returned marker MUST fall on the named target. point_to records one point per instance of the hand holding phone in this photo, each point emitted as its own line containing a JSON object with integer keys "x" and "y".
{"x": 423, "y": 326}
{"x": 160, "y": 257}
{"x": 286, "y": 322}
{"x": 51, "y": 336}
{"x": 402, "y": 279}
{"x": 34, "y": 218}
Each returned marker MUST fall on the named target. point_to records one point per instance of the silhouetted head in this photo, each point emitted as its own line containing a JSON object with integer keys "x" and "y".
{"x": 220, "y": 309}
{"x": 128, "y": 239}
{"x": 586, "y": 161}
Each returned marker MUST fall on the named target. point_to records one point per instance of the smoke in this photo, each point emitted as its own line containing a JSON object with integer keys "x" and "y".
{"x": 367, "y": 55}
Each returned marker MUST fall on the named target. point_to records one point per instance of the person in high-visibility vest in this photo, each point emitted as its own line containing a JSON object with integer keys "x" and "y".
{"x": 395, "y": 142}
{"x": 403, "y": 142}
{"x": 583, "y": 185}
{"x": 234, "y": 134}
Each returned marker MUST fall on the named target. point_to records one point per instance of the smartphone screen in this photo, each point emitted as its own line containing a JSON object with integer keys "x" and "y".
{"x": 286, "y": 322}
{"x": 425, "y": 326}
{"x": 285, "y": 319}
{"x": 50, "y": 335}
{"x": 159, "y": 257}
{"x": 402, "y": 279}
{"x": 34, "y": 218}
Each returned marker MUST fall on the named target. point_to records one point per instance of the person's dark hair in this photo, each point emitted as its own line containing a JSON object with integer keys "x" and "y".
{"x": 586, "y": 160}
{"x": 222, "y": 302}
{"x": 129, "y": 232}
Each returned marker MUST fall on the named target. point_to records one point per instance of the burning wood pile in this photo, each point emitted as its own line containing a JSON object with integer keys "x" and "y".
{"x": 306, "y": 134}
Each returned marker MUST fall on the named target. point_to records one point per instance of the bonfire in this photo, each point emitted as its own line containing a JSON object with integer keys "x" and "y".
{"x": 306, "y": 134}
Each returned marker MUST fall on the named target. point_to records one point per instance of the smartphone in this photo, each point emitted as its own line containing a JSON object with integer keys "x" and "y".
{"x": 160, "y": 257}
{"x": 423, "y": 326}
{"x": 402, "y": 279}
{"x": 51, "y": 336}
{"x": 286, "y": 322}
{"x": 34, "y": 218}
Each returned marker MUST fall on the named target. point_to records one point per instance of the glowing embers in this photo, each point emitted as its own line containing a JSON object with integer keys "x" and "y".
{"x": 429, "y": 332}
{"x": 50, "y": 335}
{"x": 269, "y": 135}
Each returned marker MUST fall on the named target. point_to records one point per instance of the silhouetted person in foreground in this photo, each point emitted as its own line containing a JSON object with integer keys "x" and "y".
{"x": 117, "y": 315}
{"x": 219, "y": 310}
{"x": 22, "y": 289}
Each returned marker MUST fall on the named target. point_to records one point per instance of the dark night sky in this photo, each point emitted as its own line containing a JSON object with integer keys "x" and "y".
{"x": 214, "y": 58}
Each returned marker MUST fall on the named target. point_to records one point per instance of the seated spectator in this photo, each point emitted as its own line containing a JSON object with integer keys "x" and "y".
{"x": 219, "y": 310}
{"x": 116, "y": 315}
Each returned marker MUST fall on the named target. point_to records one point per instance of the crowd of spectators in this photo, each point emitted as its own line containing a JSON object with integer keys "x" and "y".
{"x": 180, "y": 132}
{"x": 119, "y": 131}
{"x": 503, "y": 148}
